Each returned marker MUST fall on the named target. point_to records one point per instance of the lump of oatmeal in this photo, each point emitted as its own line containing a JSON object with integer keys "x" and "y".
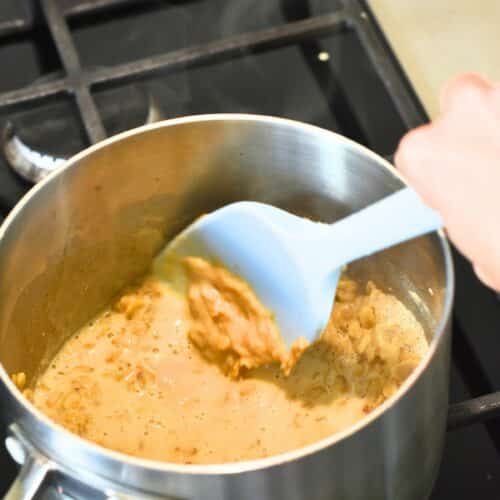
{"x": 374, "y": 341}
{"x": 230, "y": 325}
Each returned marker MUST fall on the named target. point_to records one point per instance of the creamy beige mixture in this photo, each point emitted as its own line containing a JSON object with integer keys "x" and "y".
{"x": 133, "y": 381}
{"x": 229, "y": 324}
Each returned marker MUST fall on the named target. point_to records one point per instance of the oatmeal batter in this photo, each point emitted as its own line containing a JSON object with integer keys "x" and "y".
{"x": 132, "y": 380}
{"x": 230, "y": 326}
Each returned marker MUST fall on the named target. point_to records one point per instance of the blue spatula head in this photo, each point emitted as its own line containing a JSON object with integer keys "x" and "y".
{"x": 275, "y": 252}
{"x": 294, "y": 264}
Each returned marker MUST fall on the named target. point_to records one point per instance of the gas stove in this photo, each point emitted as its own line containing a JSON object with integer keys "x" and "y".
{"x": 76, "y": 71}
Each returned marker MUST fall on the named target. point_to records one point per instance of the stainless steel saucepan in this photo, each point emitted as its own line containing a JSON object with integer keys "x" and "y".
{"x": 86, "y": 230}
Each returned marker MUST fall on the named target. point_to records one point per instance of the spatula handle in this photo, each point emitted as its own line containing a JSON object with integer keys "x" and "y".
{"x": 397, "y": 218}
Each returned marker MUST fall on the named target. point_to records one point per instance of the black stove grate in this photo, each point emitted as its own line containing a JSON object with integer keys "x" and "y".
{"x": 78, "y": 81}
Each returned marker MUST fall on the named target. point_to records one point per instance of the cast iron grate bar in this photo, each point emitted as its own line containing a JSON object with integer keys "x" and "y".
{"x": 35, "y": 92}
{"x": 27, "y": 19}
{"x": 385, "y": 63}
{"x": 485, "y": 407}
{"x": 272, "y": 37}
{"x": 71, "y": 62}
{"x": 70, "y": 8}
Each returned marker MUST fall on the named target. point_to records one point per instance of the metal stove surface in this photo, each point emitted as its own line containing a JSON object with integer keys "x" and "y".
{"x": 330, "y": 75}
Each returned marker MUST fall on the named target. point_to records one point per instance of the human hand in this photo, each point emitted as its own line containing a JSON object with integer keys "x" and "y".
{"x": 454, "y": 165}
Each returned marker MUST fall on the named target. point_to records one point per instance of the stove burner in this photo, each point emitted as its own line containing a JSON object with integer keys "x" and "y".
{"x": 120, "y": 112}
{"x": 29, "y": 164}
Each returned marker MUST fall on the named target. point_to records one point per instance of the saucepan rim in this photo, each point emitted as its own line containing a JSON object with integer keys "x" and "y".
{"x": 88, "y": 447}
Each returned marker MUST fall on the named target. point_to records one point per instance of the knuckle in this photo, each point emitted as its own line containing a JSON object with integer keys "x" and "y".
{"x": 488, "y": 278}
{"x": 411, "y": 147}
{"x": 463, "y": 89}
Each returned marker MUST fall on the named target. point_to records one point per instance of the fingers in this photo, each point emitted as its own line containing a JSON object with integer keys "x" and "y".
{"x": 448, "y": 149}
{"x": 464, "y": 90}
{"x": 411, "y": 148}
{"x": 488, "y": 280}
{"x": 413, "y": 158}
{"x": 454, "y": 165}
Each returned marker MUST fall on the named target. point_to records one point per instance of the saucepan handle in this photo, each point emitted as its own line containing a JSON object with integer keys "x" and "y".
{"x": 33, "y": 477}
{"x": 35, "y": 468}
{"x": 29, "y": 480}
{"x": 474, "y": 410}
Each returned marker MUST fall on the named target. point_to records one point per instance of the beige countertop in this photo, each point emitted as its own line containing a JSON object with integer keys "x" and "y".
{"x": 437, "y": 39}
